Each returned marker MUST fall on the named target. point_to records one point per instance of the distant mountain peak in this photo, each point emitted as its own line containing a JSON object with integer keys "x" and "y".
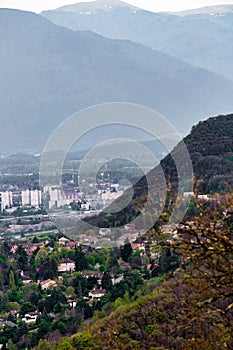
{"x": 91, "y": 7}
{"x": 208, "y": 10}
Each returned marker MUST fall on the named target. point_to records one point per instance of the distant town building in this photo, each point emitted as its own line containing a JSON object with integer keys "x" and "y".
{"x": 26, "y": 198}
{"x": 5, "y": 200}
{"x": 55, "y": 198}
{"x": 36, "y": 198}
{"x": 31, "y": 198}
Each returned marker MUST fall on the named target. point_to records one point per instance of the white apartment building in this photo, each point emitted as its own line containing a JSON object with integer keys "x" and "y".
{"x": 31, "y": 198}
{"x": 56, "y": 198}
{"x": 25, "y": 198}
{"x": 5, "y": 200}
{"x": 35, "y": 198}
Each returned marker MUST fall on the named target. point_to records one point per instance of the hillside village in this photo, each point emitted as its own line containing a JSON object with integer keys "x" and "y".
{"x": 52, "y": 282}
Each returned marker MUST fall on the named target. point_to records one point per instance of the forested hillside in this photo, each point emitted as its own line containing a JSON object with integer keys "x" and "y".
{"x": 210, "y": 145}
{"x": 192, "y": 310}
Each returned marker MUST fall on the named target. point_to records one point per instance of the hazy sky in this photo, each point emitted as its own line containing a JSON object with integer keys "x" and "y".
{"x": 152, "y": 5}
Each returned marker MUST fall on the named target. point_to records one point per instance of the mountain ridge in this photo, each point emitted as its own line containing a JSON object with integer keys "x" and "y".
{"x": 48, "y": 79}
{"x": 106, "y": 5}
{"x": 201, "y": 39}
{"x": 206, "y": 10}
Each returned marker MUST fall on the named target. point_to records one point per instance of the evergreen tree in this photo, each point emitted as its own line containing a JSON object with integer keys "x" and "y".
{"x": 12, "y": 284}
{"x": 168, "y": 261}
{"x": 106, "y": 281}
{"x": 53, "y": 267}
{"x": 4, "y": 303}
{"x": 79, "y": 284}
{"x": 22, "y": 257}
{"x": 27, "y": 307}
{"x": 41, "y": 257}
{"x": 126, "y": 251}
{"x": 81, "y": 262}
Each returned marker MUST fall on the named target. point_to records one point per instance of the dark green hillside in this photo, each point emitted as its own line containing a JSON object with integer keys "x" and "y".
{"x": 210, "y": 145}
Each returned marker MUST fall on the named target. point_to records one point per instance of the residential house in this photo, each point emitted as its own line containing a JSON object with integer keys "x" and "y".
{"x": 63, "y": 241}
{"x": 25, "y": 278}
{"x": 66, "y": 265}
{"x": 96, "y": 274}
{"x": 117, "y": 279}
{"x": 97, "y": 293}
{"x": 92, "y": 274}
{"x": 72, "y": 245}
{"x": 30, "y": 317}
{"x": 48, "y": 284}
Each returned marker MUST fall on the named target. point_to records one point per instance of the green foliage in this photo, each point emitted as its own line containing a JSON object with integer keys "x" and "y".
{"x": 12, "y": 284}
{"x": 41, "y": 257}
{"x": 126, "y": 251}
{"x": 112, "y": 263}
{"x": 49, "y": 268}
{"x": 86, "y": 341}
{"x": 79, "y": 284}
{"x": 106, "y": 281}
{"x": 21, "y": 257}
{"x": 211, "y": 148}
{"x": 131, "y": 283}
{"x": 4, "y": 303}
{"x": 45, "y": 345}
{"x": 27, "y": 307}
{"x": 80, "y": 259}
{"x": 15, "y": 294}
{"x": 10, "y": 345}
{"x": 91, "y": 260}
{"x": 65, "y": 344}
{"x": 168, "y": 261}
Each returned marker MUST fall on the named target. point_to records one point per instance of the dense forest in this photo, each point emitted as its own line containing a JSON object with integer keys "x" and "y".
{"x": 210, "y": 145}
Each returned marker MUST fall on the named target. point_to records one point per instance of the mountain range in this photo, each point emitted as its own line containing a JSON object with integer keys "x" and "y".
{"x": 49, "y": 72}
{"x": 207, "y": 10}
{"x": 95, "y": 6}
{"x": 201, "y": 37}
